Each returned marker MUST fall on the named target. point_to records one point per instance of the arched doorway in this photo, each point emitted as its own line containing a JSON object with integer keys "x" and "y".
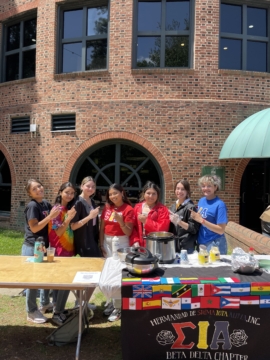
{"x": 255, "y": 193}
{"x": 122, "y": 162}
{"x": 5, "y": 186}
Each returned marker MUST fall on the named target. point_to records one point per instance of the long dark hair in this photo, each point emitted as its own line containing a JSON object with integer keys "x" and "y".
{"x": 147, "y": 186}
{"x": 118, "y": 188}
{"x": 186, "y": 185}
{"x": 58, "y": 198}
{"x": 29, "y": 183}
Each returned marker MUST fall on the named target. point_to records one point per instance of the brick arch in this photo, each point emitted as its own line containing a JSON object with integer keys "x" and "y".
{"x": 238, "y": 174}
{"x": 168, "y": 180}
{"x": 10, "y": 163}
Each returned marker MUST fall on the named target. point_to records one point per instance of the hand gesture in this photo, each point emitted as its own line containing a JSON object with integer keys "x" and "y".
{"x": 196, "y": 216}
{"x": 142, "y": 218}
{"x": 55, "y": 212}
{"x": 94, "y": 213}
{"x": 71, "y": 213}
{"x": 118, "y": 217}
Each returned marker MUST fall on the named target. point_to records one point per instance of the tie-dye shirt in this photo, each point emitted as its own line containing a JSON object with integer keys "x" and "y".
{"x": 64, "y": 245}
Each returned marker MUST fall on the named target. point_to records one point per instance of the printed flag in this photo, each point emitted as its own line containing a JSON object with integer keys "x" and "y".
{"x": 159, "y": 291}
{"x": 208, "y": 278}
{"x": 191, "y": 303}
{"x": 172, "y": 304}
{"x": 131, "y": 304}
{"x": 229, "y": 302}
{"x": 229, "y": 280}
{"x": 170, "y": 280}
{"x": 240, "y": 289}
{"x": 260, "y": 288}
{"x": 151, "y": 304}
{"x": 151, "y": 281}
{"x": 142, "y": 291}
{"x": 220, "y": 290}
{"x": 210, "y": 302}
{"x": 201, "y": 290}
{"x": 187, "y": 281}
{"x": 181, "y": 290}
{"x": 210, "y": 281}
{"x": 264, "y": 301}
{"x": 131, "y": 281}
{"x": 249, "y": 300}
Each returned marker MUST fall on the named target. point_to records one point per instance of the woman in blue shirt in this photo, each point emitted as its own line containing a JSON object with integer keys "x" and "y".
{"x": 212, "y": 215}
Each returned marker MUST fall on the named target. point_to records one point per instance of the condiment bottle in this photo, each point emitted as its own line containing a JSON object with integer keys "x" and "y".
{"x": 39, "y": 250}
{"x": 251, "y": 251}
{"x": 214, "y": 254}
{"x": 203, "y": 256}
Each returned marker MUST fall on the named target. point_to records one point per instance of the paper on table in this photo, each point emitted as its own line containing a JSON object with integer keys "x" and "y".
{"x": 87, "y": 277}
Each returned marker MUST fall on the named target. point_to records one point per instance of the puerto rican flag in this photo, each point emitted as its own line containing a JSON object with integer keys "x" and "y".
{"x": 191, "y": 303}
{"x": 142, "y": 291}
{"x": 131, "y": 304}
{"x": 249, "y": 300}
{"x": 170, "y": 280}
{"x": 240, "y": 289}
{"x": 171, "y": 304}
{"x": 151, "y": 281}
{"x": 264, "y": 301}
{"x": 219, "y": 290}
{"x": 229, "y": 302}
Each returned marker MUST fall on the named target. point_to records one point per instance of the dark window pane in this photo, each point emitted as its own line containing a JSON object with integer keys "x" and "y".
{"x": 256, "y": 56}
{"x": 97, "y": 21}
{"x": 148, "y": 52}
{"x": 149, "y": 16}
{"x": 176, "y": 51}
{"x": 72, "y": 57}
{"x": 177, "y": 15}
{"x": 72, "y": 24}
{"x": 13, "y": 37}
{"x": 230, "y": 54}
{"x": 29, "y": 37}
{"x": 256, "y": 21}
{"x": 29, "y": 63}
{"x": 96, "y": 54}
{"x": 231, "y": 18}
{"x": 12, "y": 67}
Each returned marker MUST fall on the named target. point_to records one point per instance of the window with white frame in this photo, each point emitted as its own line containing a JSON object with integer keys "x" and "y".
{"x": 244, "y": 37}
{"x": 19, "y": 51}
{"x": 163, "y": 34}
{"x": 83, "y": 37}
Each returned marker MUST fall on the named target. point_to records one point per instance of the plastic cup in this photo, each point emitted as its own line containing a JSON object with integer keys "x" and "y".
{"x": 50, "y": 254}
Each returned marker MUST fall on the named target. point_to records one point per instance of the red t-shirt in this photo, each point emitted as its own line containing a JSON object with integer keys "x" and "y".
{"x": 112, "y": 227}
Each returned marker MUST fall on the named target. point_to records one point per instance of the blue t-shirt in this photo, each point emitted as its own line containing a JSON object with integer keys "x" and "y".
{"x": 214, "y": 211}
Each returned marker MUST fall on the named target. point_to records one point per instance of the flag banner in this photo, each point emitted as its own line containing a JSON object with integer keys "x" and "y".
{"x": 201, "y": 290}
{"x": 181, "y": 290}
{"x": 142, "y": 291}
{"x": 151, "y": 281}
{"x": 260, "y": 288}
{"x": 131, "y": 281}
{"x": 174, "y": 280}
{"x": 151, "y": 304}
{"x": 240, "y": 289}
{"x": 219, "y": 290}
{"x": 229, "y": 302}
{"x": 131, "y": 304}
{"x": 191, "y": 303}
{"x": 210, "y": 281}
{"x": 229, "y": 280}
{"x": 185, "y": 281}
{"x": 264, "y": 301}
{"x": 160, "y": 291}
{"x": 171, "y": 304}
{"x": 210, "y": 302}
{"x": 249, "y": 300}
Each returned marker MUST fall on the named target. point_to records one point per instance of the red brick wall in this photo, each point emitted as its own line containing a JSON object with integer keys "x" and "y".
{"x": 182, "y": 116}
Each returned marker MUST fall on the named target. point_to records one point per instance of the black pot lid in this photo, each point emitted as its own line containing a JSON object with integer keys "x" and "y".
{"x": 141, "y": 256}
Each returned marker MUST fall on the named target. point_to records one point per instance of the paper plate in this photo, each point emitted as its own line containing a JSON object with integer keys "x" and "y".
{"x": 264, "y": 263}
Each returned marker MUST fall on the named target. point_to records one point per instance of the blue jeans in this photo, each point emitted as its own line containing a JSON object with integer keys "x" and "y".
{"x": 31, "y": 294}
{"x": 59, "y": 299}
{"x": 221, "y": 242}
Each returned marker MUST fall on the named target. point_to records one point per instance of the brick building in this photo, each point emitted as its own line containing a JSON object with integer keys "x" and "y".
{"x": 128, "y": 91}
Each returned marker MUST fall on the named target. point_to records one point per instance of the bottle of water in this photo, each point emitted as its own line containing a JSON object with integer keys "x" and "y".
{"x": 115, "y": 247}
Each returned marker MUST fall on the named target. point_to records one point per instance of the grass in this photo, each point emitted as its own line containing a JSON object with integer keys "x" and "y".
{"x": 22, "y": 340}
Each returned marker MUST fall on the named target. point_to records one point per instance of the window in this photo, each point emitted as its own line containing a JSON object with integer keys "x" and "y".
{"x": 20, "y": 50}
{"x": 244, "y": 38}
{"x": 83, "y": 38}
{"x": 63, "y": 122}
{"x": 163, "y": 34}
{"x": 20, "y": 124}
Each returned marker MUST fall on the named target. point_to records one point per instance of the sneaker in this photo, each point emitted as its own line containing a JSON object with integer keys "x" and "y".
{"x": 46, "y": 308}
{"x": 36, "y": 317}
{"x": 115, "y": 315}
{"x": 109, "y": 309}
{"x": 59, "y": 319}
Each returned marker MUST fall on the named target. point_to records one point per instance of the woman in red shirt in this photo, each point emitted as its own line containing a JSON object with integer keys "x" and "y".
{"x": 150, "y": 215}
